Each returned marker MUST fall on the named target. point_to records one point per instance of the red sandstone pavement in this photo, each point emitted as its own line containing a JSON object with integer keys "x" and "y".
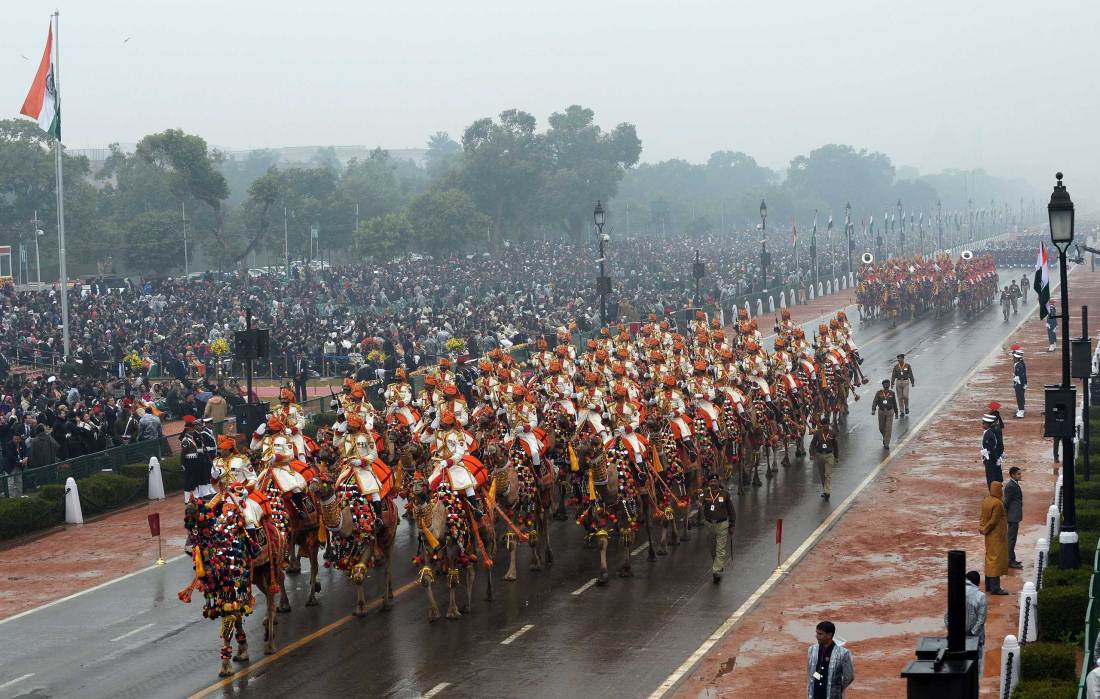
{"x": 880, "y": 573}
{"x": 78, "y": 557}
{"x": 74, "y": 558}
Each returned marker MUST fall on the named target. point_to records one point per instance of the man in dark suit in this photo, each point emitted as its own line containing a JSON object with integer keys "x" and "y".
{"x": 1014, "y": 509}
{"x": 301, "y": 375}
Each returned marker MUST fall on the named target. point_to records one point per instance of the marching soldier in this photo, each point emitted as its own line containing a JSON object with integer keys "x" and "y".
{"x": 901, "y": 380}
{"x": 826, "y": 453}
{"x": 1014, "y": 293}
{"x": 1019, "y": 378}
{"x": 992, "y": 450}
{"x": 719, "y": 517}
{"x": 885, "y": 403}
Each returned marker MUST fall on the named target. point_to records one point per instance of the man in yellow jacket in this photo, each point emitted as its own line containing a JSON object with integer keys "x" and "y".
{"x": 994, "y": 527}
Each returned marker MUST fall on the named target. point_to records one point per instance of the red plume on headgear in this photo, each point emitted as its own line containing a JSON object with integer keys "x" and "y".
{"x": 993, "y": 406}
{"x": 1014, "y": 347}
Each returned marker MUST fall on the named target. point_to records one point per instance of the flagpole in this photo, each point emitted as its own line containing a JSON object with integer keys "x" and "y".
{"x": 60, "y": 192}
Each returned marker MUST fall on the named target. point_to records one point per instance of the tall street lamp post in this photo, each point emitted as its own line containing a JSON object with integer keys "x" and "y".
{"x": 848, "y": 233}
{"x": 603, "y": 282}
{"x": 813, "y": 249}
{"x": 901, "y": 230}
{"x": 1060, "y": 211}
{"x": 939, "y": 224}
{"x": 763, "y": 245}
{"x": 698, "y": 271}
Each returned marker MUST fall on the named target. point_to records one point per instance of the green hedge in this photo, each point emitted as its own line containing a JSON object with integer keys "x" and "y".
{"x": 170, "y": 475}
{"x": 108, "y": 491}
{"x": 1062, "y": 613}
{"x": 1086, "y": 542}
{"x": 1056, "y": 661}
{"x": 52, "y": 492}
{"x": 20, "y": 516}
{"x": 100, "y": 492}
{"x": 1045, "y": 689}
{"x": 1056, "y": 577}
{"x": 1088, "y": 516}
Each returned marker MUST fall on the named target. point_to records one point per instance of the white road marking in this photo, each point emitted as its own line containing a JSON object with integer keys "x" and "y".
{"x": 435, "y": 690}
{"x": 517, "y": 634}
{"x": 641, "y": 548}
{"x": 17, "y": 680}
{"x": 583, "y": 587}
{"x": 686, "y": 667}
{"x": 91, "y": 589}
{"x": 131, "y": 633}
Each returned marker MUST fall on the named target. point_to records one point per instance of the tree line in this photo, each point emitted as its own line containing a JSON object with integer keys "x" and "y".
{"x": 505, "y": 179}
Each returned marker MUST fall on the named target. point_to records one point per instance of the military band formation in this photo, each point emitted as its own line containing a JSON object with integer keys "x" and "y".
{"x": 630, "y": 434}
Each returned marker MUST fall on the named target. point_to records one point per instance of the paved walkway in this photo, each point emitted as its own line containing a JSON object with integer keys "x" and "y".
{"x": 78, "y": 557}
{"x": 880, "y": 573}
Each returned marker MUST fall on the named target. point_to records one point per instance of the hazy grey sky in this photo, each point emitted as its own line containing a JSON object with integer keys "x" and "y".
{"x": 1006, "y": 85}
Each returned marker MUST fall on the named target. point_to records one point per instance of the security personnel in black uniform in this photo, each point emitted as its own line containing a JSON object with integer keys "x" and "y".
{"x": 191, "y": 458}
{"x": 209, "y": 443}
{"x": 719, "y": 517}
{"x": 992, "y": 450}
{"x": 1019, "y": 379}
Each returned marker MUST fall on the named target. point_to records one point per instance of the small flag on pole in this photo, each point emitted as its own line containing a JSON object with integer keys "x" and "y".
{"x": 1042, "y": 280}
{"x": 43, "y": 103}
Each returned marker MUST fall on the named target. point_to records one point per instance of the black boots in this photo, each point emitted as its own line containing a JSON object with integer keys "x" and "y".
{"x": 993, "y": 586}
{"x": 379, "y": 523}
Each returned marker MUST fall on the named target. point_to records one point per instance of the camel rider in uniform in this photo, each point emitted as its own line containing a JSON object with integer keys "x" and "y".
{"x": 670, "y": 403}
{"x": 360, "y": 461}
{"x": 590, "y": 406}
{"x": 559, "y": 389}
{"x": 701, "y": 391}
{"x": 485, "y": 385}
{"x": 231, "y": 466}
{"x": 454, "y": 403}
{"x": 901, "y": 380}
{"x": 784, "y": 327}
{"x": 430, "y": 395}
{"x": 626, "y": 416}
{"x": 719, "y": 517}
{"x": 885, "y": 404}
{"x": 399, "y": 401}
{"x": 446, "y": 373}
{"x": 452, "y": 460}
{"x": 540, "y": 360}
{"x": 992, "y": 450}
{"x": 523, "y": 423}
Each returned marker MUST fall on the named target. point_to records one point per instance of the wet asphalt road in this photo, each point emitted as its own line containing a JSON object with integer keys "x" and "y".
{"x": 550, "y": 634}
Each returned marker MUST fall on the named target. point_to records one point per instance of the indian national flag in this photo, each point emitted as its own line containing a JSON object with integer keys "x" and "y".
{"x": 42, "y": 102}
{"x": 1042, "y": 280}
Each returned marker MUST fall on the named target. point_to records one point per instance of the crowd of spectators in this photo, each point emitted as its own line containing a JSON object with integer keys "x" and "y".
{"x": 158, "y": 347}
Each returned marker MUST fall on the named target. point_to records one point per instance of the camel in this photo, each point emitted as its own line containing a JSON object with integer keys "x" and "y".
{"x": 454, "y": 539}
{"x": 358, "y": 546}
{"x": 228, "y": 589}
{"x": 606, "y": 510}
{"x": 525, "y": 500}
